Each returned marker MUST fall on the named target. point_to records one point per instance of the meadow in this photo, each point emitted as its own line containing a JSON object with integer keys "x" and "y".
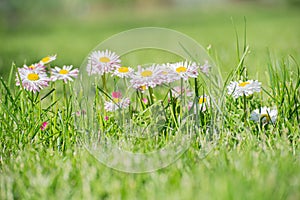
{"x": 244, "y": 160}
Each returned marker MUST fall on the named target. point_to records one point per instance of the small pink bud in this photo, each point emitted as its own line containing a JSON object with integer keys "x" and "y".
{"x": 116, "y": 95}
{"x": 44, "y": 126}
{"x": 80, "y": 112}
{"x": 145, "y": 100}
{"x": 106, "y": 118}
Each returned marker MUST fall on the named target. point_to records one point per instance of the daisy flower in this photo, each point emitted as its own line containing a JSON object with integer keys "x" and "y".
{"x": 237, "y": 89}
{"x": 117, "y": 102}
{"x": 184, "y": 70}
{"x": 177, "y": 91}
{"x": 32, "y": 80}
{"x": 144, "y": 78}
{"x": 167, "y": 75}
{"x": 47, "y": 59}
{"x": 205, "y": 68}
{"x": 264, "y": 114}
{"x": 203, "y": 104}
{"x": 66, "y": 73}
{"x": 37, "y": 67}
{"x": 100, "y": 62}
{"x": 123, "y": 72}
{"x": 142, "y": 88}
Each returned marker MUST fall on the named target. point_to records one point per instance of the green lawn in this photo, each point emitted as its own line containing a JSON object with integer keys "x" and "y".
{"x": 73, "y": 38}
{"x": 245, "y": 162}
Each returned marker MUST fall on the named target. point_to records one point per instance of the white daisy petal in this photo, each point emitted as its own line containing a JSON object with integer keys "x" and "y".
{"x": 66, "y": 73}
{"x": 167, "y": 74}
{"x": 32, "y": 80}
{"x": 203, "y": 104}
{"x": 37, "y": 67}
{"x": 144, "y": 78}
{"x": 184, "y": 70}
{"x": 123, "y": 72}
{"x": 116, "y": 103}
{"x": 205, "y": 68}
{"x": 177, "y": 91}
{"x": 265, "y": 115}
{"x": 237, "y": 89}
{"x": 100, "y": 62}
{"x": 47, "y": 59}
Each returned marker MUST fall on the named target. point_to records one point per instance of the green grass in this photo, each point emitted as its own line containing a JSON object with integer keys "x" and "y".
{"x": 252, "y": 170}
{"x": 73, "y": 38}
{"x": 244, "y": 161}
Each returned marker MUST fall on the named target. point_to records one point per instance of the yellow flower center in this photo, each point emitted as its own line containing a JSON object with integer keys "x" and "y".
{"x": 143, "y": 87}
{"x": 243, "y": 84}
{"x": 33, "y": 77}
{"x": 31, "y": 67}
{"x": 116, "y": 100}
{"x": 104, "y": 59}
{"x": 181, "y": 69}
{"x": 265, "y": 116}
{"x": 46, "y": 59}
{"x": 123, "y": 69}
{"x": 146, "y": 73}
{"x": 202, "y": 100}
{"x": 63, "y": 71}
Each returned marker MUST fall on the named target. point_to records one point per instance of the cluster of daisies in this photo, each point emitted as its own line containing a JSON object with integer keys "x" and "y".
{"x": 36, "y": 77}
{"x": 238, "y": 89}
{"x": 103, "y": 62}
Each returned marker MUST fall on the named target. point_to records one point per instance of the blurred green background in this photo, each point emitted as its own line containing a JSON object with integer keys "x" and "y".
{"x": 32, "y": 29}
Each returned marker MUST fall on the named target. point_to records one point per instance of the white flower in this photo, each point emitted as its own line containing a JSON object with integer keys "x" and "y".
{"x": 117, "y": 102}
{"x": 237, "y": 89}
{"x": 66, "y": 73}
{"x": 37, "y": 67}
{"x": 47, "y": 59}
{"x": 100, "y": 62}
{"x": 184, "y": 70}
{"x": 144, "y": 78}
{"x": 202, "y": 104}
{"x": 32, "y": 80}
{"x": 167, "y": 75}
{"x": 142, "y": 88}
{"x": 123, "y": 72}
{"x": 264, "y": 114}
{"x": 205, "y": 68}
{"x": 177, "y": 91}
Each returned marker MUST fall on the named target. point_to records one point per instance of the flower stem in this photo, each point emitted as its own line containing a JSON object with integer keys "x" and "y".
{"x": 151, "y": 96}
{"x": 65, "y": 95}
{"x": 196, "y": 88}
{"x": 245, "y": 108}
{"x": 104, "y": 82}
{"x": 32, "y": 105}
{"x": 181, "y": 97}
{"x": 196, "y": 100}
